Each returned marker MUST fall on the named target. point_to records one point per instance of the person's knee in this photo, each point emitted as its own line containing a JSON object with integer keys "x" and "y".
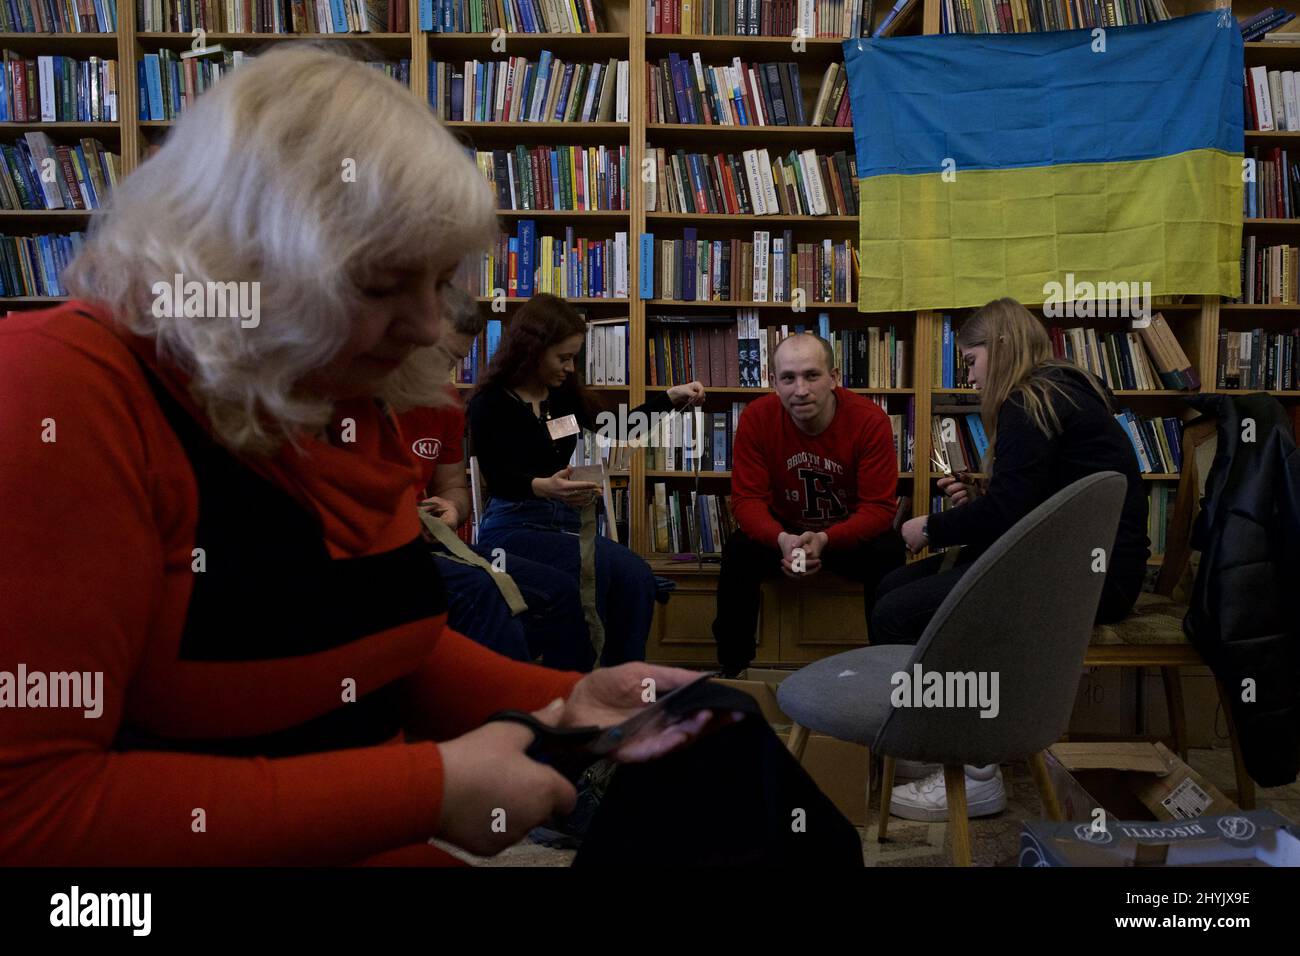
{"x": 886, "y": 618}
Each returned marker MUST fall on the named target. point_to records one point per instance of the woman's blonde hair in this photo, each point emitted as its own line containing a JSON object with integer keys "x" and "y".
{"x": 303, "y": 171}
{"x": 1019, "y": 357}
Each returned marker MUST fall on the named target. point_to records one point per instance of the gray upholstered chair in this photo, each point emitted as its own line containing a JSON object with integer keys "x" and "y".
{"x": 1024, "y": 611}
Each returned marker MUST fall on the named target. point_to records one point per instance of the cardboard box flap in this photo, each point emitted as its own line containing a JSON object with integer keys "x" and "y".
{"x": 1139, "y": 756}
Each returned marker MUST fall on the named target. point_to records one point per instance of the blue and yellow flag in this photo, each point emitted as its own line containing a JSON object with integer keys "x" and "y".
{"x": 991, "y": 165}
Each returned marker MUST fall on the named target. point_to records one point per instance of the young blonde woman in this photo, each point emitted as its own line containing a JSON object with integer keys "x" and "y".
{"x": 1049, "y": 424}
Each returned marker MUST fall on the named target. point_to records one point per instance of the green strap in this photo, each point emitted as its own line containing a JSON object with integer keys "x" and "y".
{"x": 461, "y": 552}
{"x": 587, "y": 578}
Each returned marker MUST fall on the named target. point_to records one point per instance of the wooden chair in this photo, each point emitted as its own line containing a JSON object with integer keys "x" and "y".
{"x": 1152, "y": 636}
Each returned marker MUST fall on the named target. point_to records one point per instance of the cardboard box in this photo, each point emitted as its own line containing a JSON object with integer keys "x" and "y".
{"x": 761, "y": 684}
{"x": 1155, "y": 811}
{"x": 1106, "y": 703}
{"x": 1254, "y": 838}
{"x": 1130, "y": 781}
{"x": 839, "y": 768}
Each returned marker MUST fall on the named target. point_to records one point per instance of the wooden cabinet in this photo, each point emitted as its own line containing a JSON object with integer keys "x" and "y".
{"x": 798, "y": 621}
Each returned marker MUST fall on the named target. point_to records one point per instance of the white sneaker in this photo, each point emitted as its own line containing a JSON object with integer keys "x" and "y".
{"x": 927, "y": 800}
{"x": 914, "y": 769}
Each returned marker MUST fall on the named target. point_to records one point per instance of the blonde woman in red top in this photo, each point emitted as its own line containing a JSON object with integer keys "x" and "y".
{"x": 209, "y": 511}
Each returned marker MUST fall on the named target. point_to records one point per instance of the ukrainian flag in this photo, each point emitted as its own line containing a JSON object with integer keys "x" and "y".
{"x": 991, "y": 165}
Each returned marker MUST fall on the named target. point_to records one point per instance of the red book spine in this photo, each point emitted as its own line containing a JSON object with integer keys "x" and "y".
{"x": 746, "y": 96}
{"x": 843, "y": 116}
{"x": 18, "y": 84}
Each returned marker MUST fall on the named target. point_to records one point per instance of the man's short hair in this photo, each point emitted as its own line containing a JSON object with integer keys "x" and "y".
{"x": 827, "y": 349}
{"x": 463, "y": 312}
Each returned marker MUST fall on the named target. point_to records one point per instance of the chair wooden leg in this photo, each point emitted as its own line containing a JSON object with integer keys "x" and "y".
{"x": 797, "y": 741}
{"x": 1046, "y": 792}
{"x": 954, "y": 781}
{"x": 1245, "y": 785}
{"x": 1177, "y": 712}
{"x": 886, "y": 791}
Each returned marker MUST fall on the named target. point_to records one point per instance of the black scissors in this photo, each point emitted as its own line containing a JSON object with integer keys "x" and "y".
{"x": 572, "y": 750}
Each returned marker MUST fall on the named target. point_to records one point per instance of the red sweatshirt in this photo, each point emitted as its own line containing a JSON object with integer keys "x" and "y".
{"x": 842, "y": 481}
{"x": 96, "y": 574}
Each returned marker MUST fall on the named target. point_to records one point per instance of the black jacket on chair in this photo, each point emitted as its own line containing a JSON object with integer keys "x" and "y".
{"x": 1242, "y": 615}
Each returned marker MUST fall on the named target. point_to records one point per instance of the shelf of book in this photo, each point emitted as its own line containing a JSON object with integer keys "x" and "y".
{"x": 1197, "y": 322}
{"x": 73, "y": 44}
{"x": 481, "y": 45}
{"x": 805, "y": 136}
{"x": 619, "y": 215}
{"x": 811, "y": 305}
{"x": 394, "y": 43}
{"x": 692, "y": 218}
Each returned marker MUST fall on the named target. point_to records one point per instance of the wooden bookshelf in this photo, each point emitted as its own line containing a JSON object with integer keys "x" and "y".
{"x": 1197, "y": 322}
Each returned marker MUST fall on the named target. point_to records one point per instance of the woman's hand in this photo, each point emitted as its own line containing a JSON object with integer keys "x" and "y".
{"x": 611, "y": 695}
{"x": 486, "y": 774}
{"x": 442, "y": 509}
{"x": 911, "y": 532}
{"x": 558, "y": 487}
{"x": 684, "y": 396}
{"x": 958, "y": 491}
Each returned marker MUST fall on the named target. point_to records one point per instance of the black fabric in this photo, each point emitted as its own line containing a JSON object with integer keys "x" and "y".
{"x": 1242, "y": 615}
{"x": 735, "y": 797}
{"x": 513, "y": 446}
{"x": 909, "y": 596}
{"x": 270, "y": 589}
{"x": 745, "y": 565}
{"x": 1029, "y": 468}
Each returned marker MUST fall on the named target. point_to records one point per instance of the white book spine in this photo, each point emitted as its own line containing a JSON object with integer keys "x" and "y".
{"x": 620, "y": 354}
{"x": 816, "y": 187}
{"x": 1276, "y": 99}
{"x": 763, "y": 378}
{"x": 807, "y": 21}
{"x": 769, "y": 187}
{"x": 1290, "y": 106}
{"x": 45, "y": 71}
{"x": 620, "y": 265}
{"x": 621, "y": 113}
{"x": 756, "y": 195}
{"x": 761, "y": 239}
{"x": 1259, "y": 87}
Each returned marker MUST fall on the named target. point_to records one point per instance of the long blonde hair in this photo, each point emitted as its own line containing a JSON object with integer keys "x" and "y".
{"x": 1019, "y": 357}
{"x": 301, "y": 172}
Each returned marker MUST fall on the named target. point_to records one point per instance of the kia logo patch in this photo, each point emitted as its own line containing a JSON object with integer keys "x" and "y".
{"x": 427, "y": 448}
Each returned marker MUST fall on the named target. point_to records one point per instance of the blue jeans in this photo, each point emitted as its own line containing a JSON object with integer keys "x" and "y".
{"x": 547, "y": 532}
{"x": 553, "y": 626}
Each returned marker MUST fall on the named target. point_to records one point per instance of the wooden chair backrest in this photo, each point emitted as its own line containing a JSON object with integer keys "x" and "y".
{"x": 1200, "y": 441}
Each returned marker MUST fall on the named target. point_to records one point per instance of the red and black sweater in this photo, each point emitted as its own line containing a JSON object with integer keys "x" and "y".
{"x": 841, "y": 481}
{"x": 226, "y": 668}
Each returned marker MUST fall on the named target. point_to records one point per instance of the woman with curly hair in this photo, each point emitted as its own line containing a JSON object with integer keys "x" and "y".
{"x": 524, "y": 419}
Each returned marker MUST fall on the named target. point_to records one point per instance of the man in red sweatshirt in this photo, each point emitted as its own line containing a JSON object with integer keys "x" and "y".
{"x": 813, "y": 484}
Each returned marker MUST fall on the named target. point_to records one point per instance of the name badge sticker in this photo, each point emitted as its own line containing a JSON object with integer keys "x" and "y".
{"x": 562, "y": 427}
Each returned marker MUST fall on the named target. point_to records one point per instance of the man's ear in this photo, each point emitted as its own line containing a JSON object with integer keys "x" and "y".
{"x": 835, "y": 376}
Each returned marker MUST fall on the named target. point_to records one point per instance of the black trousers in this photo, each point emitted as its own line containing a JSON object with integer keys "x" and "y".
{"x": 909, "y": 596}
{"x": 745, "y": 565}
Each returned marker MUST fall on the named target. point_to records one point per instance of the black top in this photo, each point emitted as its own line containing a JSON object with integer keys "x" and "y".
{"x": 1030, "y": 468}
{"x": 513, "y": 445}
